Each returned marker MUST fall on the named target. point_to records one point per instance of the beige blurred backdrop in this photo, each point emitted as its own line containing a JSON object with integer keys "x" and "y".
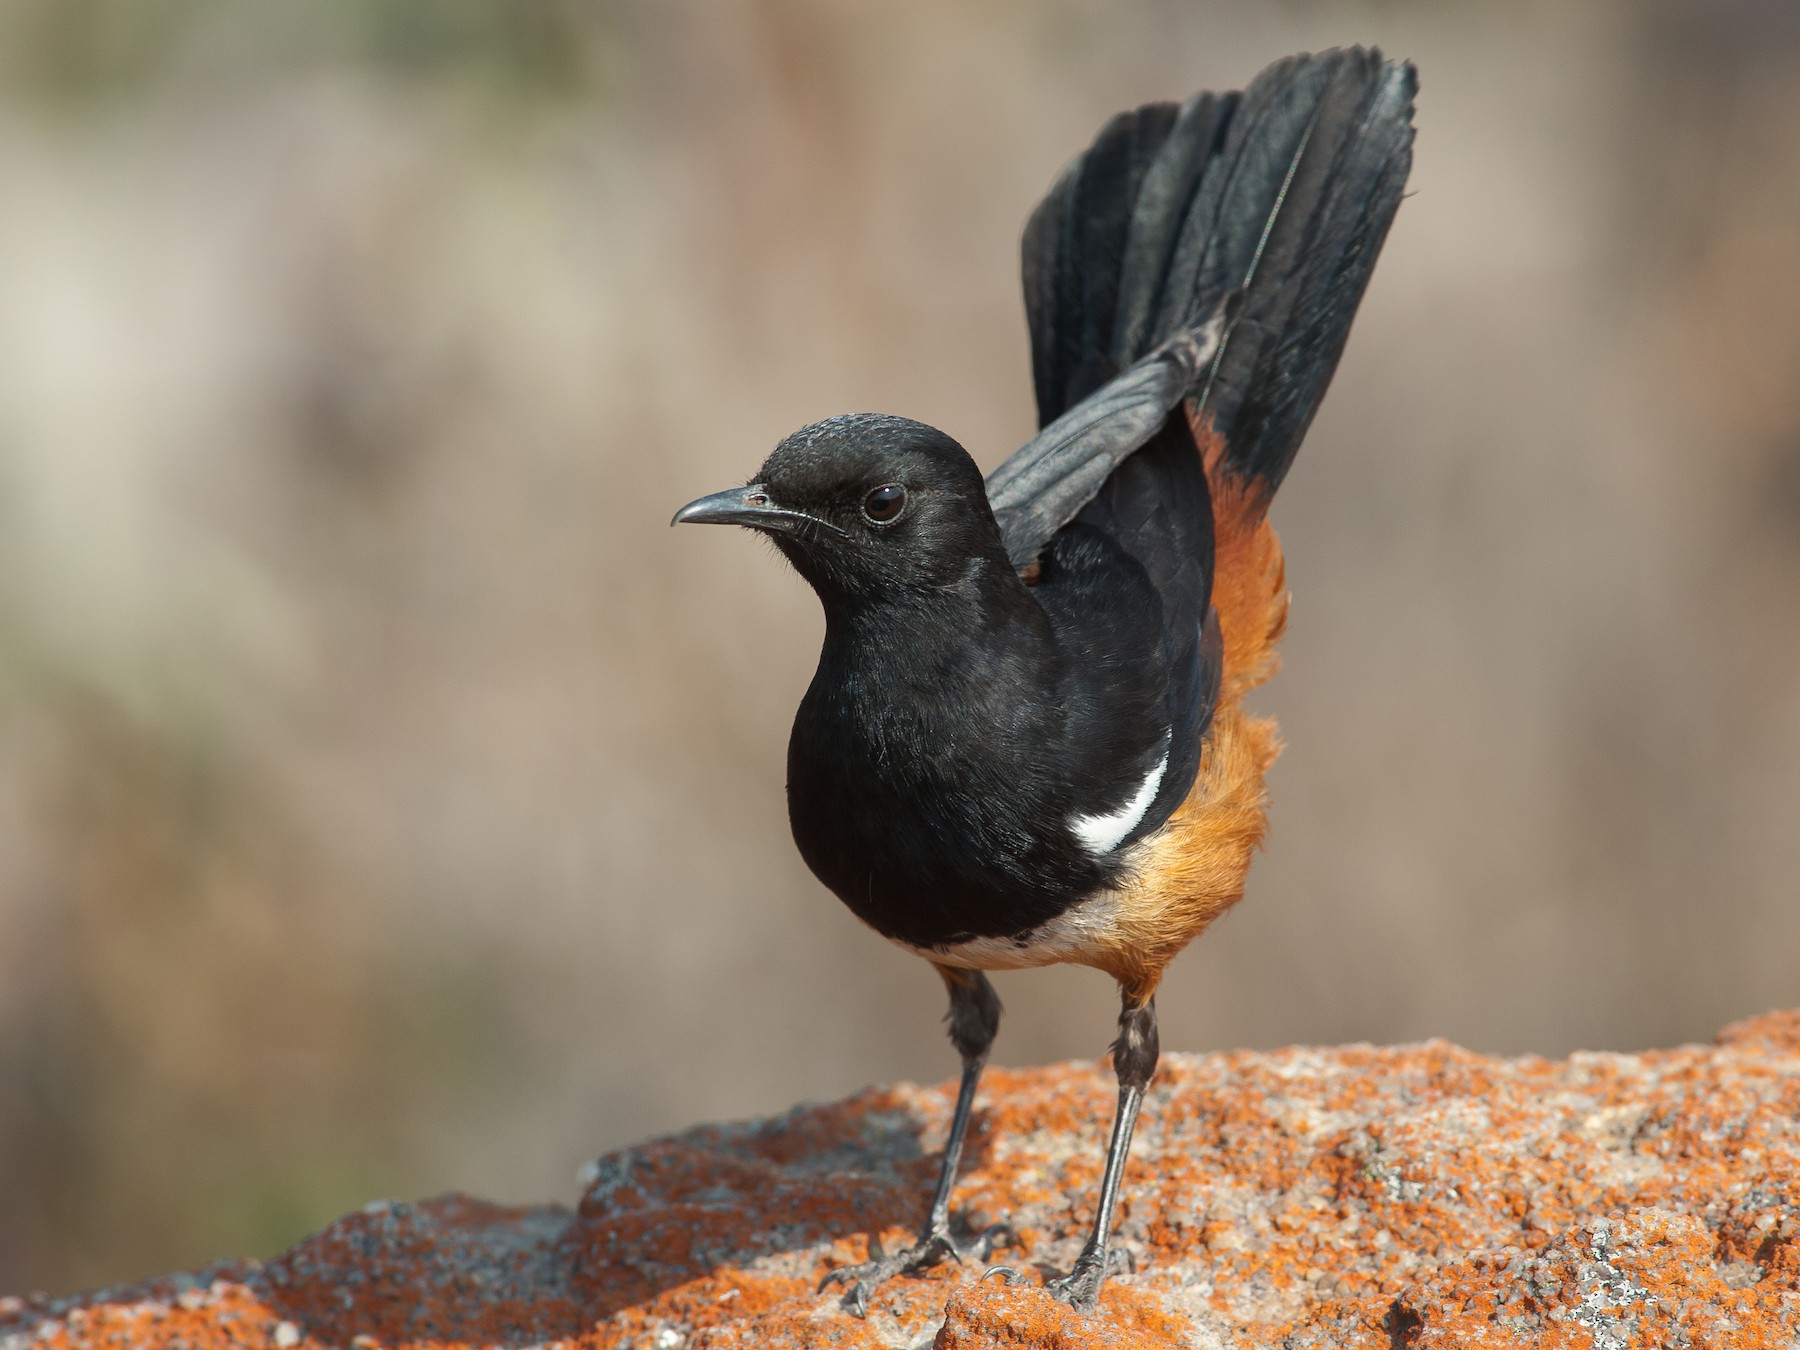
{"x": 390, "y": 802}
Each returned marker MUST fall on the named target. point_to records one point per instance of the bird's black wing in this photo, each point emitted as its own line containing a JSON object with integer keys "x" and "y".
{"x": 1043, "y": 485}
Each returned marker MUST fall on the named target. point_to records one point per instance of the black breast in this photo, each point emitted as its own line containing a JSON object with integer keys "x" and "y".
{"x": 946, "y": 743}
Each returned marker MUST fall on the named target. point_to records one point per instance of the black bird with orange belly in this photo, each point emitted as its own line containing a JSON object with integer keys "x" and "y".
{"x": 1025, "y": 743}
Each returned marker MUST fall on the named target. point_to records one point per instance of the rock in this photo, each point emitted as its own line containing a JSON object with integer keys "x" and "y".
{"x": 1356, "y": 1197}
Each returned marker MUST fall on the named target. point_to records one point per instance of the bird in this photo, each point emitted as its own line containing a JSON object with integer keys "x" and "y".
{"x": 1025, "y": 743}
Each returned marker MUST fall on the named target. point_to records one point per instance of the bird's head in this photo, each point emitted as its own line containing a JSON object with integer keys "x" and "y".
{"x": 866, "y": 507}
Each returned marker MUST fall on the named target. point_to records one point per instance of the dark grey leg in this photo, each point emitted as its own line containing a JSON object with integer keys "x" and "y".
{"x": 974, "y": 1019}
{"x": 1134, "y": 1060}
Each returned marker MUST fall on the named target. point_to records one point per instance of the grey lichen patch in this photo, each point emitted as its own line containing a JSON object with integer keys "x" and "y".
{"x": 1606, "y": 1293}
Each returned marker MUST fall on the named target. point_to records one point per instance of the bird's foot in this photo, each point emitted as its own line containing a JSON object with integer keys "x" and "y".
{"x": 934, "y": 1246}
{"x": 1080, "y": 1288}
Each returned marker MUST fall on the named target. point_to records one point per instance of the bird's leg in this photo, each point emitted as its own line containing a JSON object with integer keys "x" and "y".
{"x": 974, "y": 1018}
{"x": 1134, "y": 1061}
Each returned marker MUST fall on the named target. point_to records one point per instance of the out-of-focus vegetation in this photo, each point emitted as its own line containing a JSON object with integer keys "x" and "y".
{"x": 98, "y": 56}
{"x": 389, "y": 802}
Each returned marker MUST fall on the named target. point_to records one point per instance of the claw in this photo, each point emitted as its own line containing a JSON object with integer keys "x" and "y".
{"x": 998, "y": 1235}
{"x": 932, "y": 1247}
{"x": 1080, "y": 1288}
{"x": 1079, "y": 1295}
{"x": 1007, "y": 1274}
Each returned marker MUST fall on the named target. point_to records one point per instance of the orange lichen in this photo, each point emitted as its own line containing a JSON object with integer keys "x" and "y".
{"x": 991, "y": 1316}
{"x": 1356, "y": 1197}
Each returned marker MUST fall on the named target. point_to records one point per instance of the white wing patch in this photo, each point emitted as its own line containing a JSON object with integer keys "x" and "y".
{"x": 1100, "y": 835}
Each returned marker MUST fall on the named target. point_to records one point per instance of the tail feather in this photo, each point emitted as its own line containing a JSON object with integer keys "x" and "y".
{"x": 1306, "y": 273}
{"x": 1280, "y": 196}
{"x": 1157, "y": 219}
{"x": 1074, "y": 257}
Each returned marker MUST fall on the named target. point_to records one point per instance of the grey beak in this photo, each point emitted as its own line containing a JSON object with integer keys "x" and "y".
{"x": 746, "y": 506}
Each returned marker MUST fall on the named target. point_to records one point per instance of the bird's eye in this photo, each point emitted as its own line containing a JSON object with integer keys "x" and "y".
{"x": 885, "y": 503}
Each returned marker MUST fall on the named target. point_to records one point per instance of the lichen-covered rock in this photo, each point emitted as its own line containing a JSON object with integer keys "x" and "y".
{"x": 1357, "y": 1197}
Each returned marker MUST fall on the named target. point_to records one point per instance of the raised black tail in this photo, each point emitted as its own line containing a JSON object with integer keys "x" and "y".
{"x": 1281, "y": 194}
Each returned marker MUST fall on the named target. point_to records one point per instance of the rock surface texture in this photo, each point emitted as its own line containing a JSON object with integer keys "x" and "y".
{"x": 1355, "y": 1197}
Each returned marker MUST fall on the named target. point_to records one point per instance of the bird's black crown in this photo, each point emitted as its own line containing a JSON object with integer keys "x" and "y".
{"x": 869, "y": 505}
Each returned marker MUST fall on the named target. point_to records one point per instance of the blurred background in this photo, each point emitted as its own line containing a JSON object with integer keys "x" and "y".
{"x": 390, "y": 802}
